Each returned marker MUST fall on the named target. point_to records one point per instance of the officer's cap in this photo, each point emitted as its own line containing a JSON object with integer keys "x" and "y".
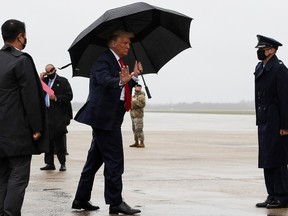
{"x": 138, "y": 85}
{"x": 264, "y": 42}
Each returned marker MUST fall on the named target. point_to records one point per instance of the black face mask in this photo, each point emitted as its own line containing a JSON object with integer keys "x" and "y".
{"x": 24, "y": 44}
{"x": 51, "y": 76}
{"x": 261, "y": 54}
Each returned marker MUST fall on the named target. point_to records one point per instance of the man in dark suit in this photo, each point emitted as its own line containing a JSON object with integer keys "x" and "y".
{"x": 22, "y": 117}
{"x": 104, "y": 112}
{"x": 59, "y": 112}
{"x": 271, "y": 103}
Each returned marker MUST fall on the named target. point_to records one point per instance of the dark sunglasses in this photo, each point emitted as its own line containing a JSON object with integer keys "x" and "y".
{"x": 51, "y": 70}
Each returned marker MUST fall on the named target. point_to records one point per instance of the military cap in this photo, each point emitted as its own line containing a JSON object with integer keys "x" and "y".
{"x": 138, "y": 85}
{"x": 267, "y": 42}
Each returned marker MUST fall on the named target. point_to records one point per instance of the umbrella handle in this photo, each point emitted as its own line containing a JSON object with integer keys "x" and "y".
{"x": 148, "y": 92}
{"x": 146, "y": 87}
{"x": 61, "y": 68}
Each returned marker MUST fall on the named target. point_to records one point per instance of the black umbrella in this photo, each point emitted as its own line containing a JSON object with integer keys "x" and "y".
{"x": 160, "y": 35}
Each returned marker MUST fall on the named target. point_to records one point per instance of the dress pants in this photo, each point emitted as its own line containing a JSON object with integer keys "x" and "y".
{"x": 106, "y": 147}
{"x": 276, "y": 181}
{"x": 59, "y": 145}
{"x": 14, "y": 178}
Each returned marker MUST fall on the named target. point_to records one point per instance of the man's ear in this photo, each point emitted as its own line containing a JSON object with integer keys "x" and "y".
{"x": 19, "y": 36}
{"x": 114, "y": 44}
{"x": 272, "y": 51}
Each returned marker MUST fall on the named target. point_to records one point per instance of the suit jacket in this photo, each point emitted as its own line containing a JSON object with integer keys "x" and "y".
{"x": 101, "y": 107}
{"x": 60, "y": 111}
{"x": 271, "y": 103}
{"x": 22, "y": 107}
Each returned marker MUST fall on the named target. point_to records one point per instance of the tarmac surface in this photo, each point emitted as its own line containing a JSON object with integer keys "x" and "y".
{"x": 204, "y": 172}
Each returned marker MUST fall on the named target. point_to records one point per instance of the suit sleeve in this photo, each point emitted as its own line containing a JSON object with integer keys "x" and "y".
{"x": 30, "y": 93}
{"x": 106, "y": 74}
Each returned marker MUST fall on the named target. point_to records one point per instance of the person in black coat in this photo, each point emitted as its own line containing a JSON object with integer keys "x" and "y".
{"x": 59, "y": 114}
{"x": 271, "y": 103}
{"x": 104, "y": 112}
{"x": 22, "y": 117}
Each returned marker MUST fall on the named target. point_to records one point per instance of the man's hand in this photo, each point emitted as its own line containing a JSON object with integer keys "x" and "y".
{"x": 53, "y": 97}
{"x": 125, "y": 75}
{"x": 42, "y": 74}
{"x": 137, "y": 68}
{"x": 283, "y": 132}
{"x": 36, "y": 135}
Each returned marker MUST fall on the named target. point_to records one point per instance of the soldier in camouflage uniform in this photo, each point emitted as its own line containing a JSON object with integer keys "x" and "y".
{"x": 137, "y": 113}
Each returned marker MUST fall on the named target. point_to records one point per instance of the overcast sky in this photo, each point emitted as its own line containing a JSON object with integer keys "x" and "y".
{"x": 218, "y": 68}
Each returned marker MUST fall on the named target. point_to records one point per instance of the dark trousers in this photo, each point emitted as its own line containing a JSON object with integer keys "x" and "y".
{"x": 106, "y": 147}
{"x": 57, "y": 144}
{"x": 276, "y": 181}
{"x": 14, "y": 178}
{"x": 65, "y": 143}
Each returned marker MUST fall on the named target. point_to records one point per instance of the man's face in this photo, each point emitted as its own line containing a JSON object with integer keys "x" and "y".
{"x": 267, "y": 51}
{"x": 138, "y": 88}
{"x": 22, "y": 40}
{"x": 50, "y": 70}
{"x": 121, "y": 46}
{"x": 264, "y": 53}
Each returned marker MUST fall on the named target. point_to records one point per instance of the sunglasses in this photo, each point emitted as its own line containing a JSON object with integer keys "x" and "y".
{"x": 51, "y": 70}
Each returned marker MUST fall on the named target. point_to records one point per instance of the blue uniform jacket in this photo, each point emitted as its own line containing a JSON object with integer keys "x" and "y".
{"x": 271, "y": 103}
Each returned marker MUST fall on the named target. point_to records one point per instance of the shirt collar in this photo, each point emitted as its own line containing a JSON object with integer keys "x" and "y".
{"x": 116, "y": 56}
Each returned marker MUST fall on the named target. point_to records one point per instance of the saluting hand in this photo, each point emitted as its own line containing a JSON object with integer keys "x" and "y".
{"x": 42, "y": 74}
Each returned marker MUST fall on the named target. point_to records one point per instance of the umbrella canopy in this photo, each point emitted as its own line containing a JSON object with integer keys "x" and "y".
{"x": 160, "y": 35}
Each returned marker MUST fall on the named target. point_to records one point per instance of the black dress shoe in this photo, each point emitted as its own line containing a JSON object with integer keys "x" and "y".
{"x": 276, "y": 204}
{"x": 123, "y": 208}
{"x": 264, "y": 204}
{"x": 86, "y": 205}
{"x": 62, "y": 167}
{"x": 48, "y": 167}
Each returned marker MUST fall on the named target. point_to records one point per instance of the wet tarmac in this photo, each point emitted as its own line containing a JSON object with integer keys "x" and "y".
{"x": 193, "y": 172}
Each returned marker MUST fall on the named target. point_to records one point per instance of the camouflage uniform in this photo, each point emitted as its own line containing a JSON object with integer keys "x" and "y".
{"x": 137, "y": 113}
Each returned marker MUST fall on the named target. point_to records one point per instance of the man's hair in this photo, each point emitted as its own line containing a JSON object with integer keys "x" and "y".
{"x": 11, "y": 29}
{"x": 117, "y": 34}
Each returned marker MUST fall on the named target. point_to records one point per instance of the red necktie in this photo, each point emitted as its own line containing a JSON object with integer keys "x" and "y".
{"x": 127, "y": 91}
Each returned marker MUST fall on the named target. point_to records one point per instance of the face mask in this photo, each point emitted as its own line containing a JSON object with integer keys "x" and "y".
{"x": 261, "y": 54}
{"x": 51, "y": 76}
{"x": 24, "y": 44}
